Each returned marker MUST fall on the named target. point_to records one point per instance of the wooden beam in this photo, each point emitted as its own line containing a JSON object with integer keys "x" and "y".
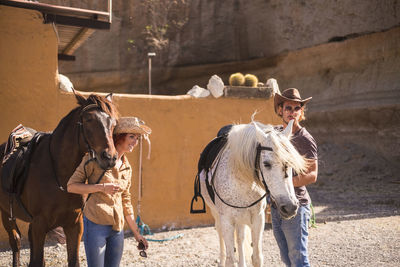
{"x": 53, "y": 9}
{"x": 66, "y": 57}
{"x": 77, "y": 40}
{"x": 74, "y": 21}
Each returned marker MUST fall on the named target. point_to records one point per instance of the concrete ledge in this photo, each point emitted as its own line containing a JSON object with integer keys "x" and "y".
{"x": 248, "y": 92}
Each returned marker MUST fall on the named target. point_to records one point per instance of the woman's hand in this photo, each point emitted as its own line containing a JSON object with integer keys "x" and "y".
{"x": 132, "y": 224}
{"x": 140, "y": 239}
{"x": 111, "y": 188}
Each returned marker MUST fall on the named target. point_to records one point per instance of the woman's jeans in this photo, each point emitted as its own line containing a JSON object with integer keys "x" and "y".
{"x": 292, "y": 236}
{"x": 103, "y": 245}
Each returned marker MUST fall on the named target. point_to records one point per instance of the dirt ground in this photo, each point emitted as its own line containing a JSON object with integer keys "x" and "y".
{"x": 357, "y": 206}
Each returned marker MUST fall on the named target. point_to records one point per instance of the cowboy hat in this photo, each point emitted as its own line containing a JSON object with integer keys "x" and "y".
{"x": 131, "y": 125}
{"x": 290, "y": 94}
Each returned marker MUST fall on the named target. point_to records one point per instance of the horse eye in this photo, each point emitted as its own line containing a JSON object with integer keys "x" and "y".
{"x": 267, "y": 164}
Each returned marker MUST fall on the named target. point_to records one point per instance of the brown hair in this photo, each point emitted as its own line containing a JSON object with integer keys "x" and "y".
{"x": 119, "y": 138}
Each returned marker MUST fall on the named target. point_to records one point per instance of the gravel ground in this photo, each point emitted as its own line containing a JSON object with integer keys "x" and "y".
{"x": 357, "y": 206}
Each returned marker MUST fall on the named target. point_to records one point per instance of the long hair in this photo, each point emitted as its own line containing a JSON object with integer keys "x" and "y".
{"x": 242, "y": 143}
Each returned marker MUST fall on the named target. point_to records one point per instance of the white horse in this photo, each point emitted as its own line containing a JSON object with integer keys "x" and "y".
{"x": 255, "y": 155}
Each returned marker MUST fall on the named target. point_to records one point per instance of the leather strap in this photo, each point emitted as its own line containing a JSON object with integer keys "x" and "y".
{"x": 257, "y": 164}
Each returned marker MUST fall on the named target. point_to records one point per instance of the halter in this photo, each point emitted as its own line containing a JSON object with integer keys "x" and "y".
{"x": 257, "y": 171}
{"x": 81, "y": 130}
{"x": 90, "y": 150}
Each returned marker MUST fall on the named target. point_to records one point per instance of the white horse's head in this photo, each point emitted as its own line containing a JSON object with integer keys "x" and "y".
{"x": 275, "y": 161}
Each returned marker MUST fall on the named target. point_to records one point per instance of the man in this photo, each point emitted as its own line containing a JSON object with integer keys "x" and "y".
{"x": 292, "y": 235}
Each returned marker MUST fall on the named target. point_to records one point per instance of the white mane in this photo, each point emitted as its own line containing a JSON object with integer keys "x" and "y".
{"x": 242, "y": 142}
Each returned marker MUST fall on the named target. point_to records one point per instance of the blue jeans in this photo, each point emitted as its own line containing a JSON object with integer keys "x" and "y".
{"x": 292, "y": 236}
{"x": 103, "y": 245}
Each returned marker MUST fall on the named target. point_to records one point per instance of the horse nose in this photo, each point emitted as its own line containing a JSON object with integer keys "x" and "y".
{"x": 106, "y": 156}
{"x": 289, "y": 209}
{"x": 111, "y": 160}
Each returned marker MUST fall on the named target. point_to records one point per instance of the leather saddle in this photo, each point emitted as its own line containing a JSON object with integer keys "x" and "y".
{"x": 15, "y": 165}
{"x": 207, "y": 158}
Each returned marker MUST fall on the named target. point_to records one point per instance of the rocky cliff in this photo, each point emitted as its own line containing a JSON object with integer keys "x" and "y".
{"x": 346, "y": 54}
{"x": 186, "y": 33}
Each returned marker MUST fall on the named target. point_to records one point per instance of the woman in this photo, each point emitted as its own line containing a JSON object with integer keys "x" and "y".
{"x": 108, "y": 204}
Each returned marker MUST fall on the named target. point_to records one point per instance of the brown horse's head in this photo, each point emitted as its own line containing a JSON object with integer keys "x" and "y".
{"x": 98, "y": 117}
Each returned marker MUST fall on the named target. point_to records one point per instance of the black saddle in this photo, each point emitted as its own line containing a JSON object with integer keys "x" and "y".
{"x": 207, "y": 158}
{"x": 16, "y": 167}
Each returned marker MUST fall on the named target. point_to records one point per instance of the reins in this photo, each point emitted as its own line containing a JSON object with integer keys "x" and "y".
{"x": 257, "y": 171}
{"x": 89, "y": 148}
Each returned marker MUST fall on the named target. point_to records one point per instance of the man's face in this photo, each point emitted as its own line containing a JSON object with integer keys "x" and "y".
{"x": 291, "y": 110}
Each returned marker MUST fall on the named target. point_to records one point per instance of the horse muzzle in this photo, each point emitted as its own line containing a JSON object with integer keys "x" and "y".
{"x": 287, "y": 208}
{"x": 106, "y": 161}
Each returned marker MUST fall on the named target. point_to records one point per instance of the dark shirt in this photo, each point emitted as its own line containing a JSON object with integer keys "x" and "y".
{"x": 305, "y": 144}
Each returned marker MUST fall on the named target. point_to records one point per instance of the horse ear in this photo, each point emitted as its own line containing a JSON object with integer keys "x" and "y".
{"x": 288, "y": 129}
{"x": 79, "y": 98}
{"x": 109, "y": 97}
{"x": 260, "y": 133}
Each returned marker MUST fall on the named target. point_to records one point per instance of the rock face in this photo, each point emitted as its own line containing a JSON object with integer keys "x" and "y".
{"x": 237, "y": 30}
{"x": 346, "y": 54}
{"x": 197, "y": 32}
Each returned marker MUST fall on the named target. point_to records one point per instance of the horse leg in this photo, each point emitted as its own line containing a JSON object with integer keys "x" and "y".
{"x": 74, "y": 234}
{"x": 241, "y": 244}
{"x": 222, "y": 250}
{"x": 37, "y": 236}
{"x": 228, "y": 229}
{"x": 14, "y": 237}
{"x": 256, "y": 233}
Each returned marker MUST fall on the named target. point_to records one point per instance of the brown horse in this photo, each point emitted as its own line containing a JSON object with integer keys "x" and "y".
{"x": 47, "y": 203}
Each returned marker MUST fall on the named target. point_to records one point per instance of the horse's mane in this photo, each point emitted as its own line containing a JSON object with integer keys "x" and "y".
{"x": 104, "y": 104}
{"x": 242, "y": 143}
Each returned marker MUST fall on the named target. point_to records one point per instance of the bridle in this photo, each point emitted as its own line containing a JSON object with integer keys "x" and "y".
{"x": 80, "y": 131}
{"x": 257, "y": 170}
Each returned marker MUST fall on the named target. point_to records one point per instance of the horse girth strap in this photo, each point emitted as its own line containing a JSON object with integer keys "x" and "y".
{"x": 259, "y": 149}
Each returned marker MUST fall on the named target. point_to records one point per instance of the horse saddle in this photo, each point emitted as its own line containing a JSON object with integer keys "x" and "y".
{"x": 207, "y": 158}
{"x": 15, "y": 165}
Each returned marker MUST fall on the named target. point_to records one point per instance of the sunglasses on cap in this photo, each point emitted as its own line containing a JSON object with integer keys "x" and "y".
{"x": 142, "y": 249}
{"x": 289, "y": 108}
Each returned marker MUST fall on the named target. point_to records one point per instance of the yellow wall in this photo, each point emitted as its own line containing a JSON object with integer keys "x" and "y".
{"x": 182, "y": 126}
{"x": 28, "y": 66}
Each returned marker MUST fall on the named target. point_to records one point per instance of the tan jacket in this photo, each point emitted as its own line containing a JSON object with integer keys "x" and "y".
{"x": 102, "y": 208}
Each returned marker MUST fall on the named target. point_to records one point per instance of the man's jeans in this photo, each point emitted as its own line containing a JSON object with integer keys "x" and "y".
{"x": 292, "y": 236}
{"x": 103, "y": 245}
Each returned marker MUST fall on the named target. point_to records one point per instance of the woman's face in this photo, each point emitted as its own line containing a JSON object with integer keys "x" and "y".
{"x": 129, "y": 142}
